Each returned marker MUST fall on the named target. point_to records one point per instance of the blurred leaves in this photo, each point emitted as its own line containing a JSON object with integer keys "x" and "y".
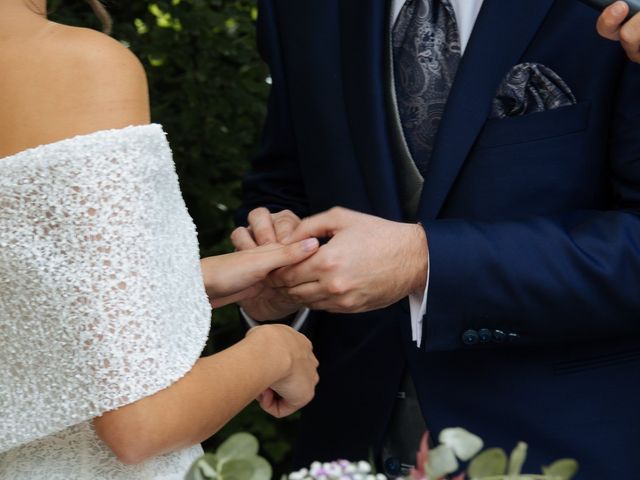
{"x": 562, "y": 469}
{"x": 490, "y": 463}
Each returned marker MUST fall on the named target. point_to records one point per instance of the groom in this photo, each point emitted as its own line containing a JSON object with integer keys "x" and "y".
{"x": 487, "y": 156}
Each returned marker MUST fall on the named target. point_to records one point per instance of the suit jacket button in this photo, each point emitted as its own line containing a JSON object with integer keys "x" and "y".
{"x": 470, "y": 337}
{"x": 392, "y": 466}
{"x": 499, "y": 336}
{"x": 485, "y": 335}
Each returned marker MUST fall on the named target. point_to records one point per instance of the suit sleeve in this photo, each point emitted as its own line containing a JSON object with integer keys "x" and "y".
{"x": 274, "y": 179}
{"x": 573, "y": 277}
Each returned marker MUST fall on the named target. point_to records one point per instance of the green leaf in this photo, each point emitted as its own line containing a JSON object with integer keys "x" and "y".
{"x": 517, "y": 459}
{"x": 236, "y": 469}
{"x": 442, "y": 461}
{"x": 250, "y": 468}
{"x": 204, "y": 468}
{"x": 564, "y": 469}
{"x": 261, "y": 469}
{"x": 492, "y": 462}
{"x": 240, "y": 445}
{"x": 465, "y": 444}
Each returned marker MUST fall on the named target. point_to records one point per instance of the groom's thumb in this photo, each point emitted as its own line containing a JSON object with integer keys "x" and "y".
{"x": 322, "y": 225}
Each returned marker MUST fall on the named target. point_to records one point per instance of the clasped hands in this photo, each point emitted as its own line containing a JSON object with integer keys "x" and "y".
{"x": 367, "y": 263}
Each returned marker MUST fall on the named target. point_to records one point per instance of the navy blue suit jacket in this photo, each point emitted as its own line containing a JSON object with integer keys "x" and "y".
{"x": 533, "y": 226}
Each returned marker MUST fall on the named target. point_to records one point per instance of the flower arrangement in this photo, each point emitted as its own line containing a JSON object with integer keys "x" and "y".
{"x": 340, "y": 470}
{"x": 238, "y": 459}
{"x": 456, "y": 445}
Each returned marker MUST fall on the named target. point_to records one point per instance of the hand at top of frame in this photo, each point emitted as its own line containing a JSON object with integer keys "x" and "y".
{"x": 266, "y": 228}
{"x": 369, "y": 263}
{"x": 611, "y": 25}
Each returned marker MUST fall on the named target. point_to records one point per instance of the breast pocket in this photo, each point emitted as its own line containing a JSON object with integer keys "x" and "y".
{"x": 536, "y": 164}
{"x": 535, "y": 126}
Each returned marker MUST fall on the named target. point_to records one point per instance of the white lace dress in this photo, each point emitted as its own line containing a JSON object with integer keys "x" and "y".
{"x": 101, "y": 300}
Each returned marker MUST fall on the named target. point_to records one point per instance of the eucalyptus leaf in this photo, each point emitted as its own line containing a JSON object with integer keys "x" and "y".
{"x": 442, "y": 461}
{"x": 517, "y": 459}
{"x": 465, "y": 444}
{"x": 204, "y": 468}
{"x": 490, "y": 463}
{"x": 564, "y": 469}
{"x": 261, "y": 469}
{"x": 240, "y": 445}
{"x": 237, "y": 469}
{"x": 249, "y": 468}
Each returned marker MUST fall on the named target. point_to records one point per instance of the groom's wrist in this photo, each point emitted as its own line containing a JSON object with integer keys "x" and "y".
{"x": 420, "y": 258}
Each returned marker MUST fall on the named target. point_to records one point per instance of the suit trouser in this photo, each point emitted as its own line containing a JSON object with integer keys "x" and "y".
{"x": 404, "y": 432}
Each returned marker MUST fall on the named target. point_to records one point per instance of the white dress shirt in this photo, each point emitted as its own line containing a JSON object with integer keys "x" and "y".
{"x": 466, "y": 15}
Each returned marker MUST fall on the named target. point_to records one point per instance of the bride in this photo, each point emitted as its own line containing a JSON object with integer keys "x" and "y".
{"x": 103, "y": 308}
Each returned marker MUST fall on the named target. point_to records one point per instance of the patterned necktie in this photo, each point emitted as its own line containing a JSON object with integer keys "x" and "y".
{"x": 426, "y": 49}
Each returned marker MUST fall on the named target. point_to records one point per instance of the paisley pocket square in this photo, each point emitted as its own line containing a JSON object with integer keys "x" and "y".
{"x": 530, "y": 88}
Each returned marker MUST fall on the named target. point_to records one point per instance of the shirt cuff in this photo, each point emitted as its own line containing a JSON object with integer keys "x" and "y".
{"x": 297, "y": 323}
{"x": 418, "y": 309}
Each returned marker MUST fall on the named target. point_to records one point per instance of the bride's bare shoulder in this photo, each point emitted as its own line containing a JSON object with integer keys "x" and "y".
{"x": 97, "y": 71}
{"x": 90, "y": 49}
{"x": 68, "y": 81}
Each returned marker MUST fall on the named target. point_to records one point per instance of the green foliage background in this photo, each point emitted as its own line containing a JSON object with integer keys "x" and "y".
{"x": 208, "y": 89}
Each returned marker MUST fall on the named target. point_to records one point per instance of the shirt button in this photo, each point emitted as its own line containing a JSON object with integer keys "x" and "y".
{"x": 392, "y": 466}
{"x": 512, "y": 337}
{"x": 499, "y": 336}
{"x": 485, "y": 335}
{"x": 470, "y": 337}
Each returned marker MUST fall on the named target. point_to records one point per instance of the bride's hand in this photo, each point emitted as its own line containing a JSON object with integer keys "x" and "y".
{"x": 292, "y": 355}
{"x": 236, "y": 276}
{"x": 266, "y": 228}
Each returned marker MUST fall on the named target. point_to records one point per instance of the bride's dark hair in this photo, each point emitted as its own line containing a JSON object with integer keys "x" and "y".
{"x": 102, "y": 14}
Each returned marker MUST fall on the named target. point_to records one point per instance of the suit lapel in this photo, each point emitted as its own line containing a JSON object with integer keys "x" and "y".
{"x": 502, "y": 32}
{"x": 362, "y": 30}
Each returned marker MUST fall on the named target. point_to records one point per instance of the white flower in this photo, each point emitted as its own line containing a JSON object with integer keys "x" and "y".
{"x": 351, "y": 468}
{"x": 299, "y": 475}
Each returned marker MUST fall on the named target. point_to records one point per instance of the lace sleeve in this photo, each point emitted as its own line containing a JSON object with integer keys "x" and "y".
{"x": 101, "y": 294}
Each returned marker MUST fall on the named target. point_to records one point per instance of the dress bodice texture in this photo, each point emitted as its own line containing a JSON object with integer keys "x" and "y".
{"x": 77, "y": 454}
{"x": 101, "y": 299}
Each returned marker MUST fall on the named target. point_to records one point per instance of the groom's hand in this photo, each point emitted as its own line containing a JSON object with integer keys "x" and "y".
{"x": 612, "y": 25}
{"x": 368, "y": 263}
{"x": 236, "y": 277}
{"x": 266, "y": 228}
